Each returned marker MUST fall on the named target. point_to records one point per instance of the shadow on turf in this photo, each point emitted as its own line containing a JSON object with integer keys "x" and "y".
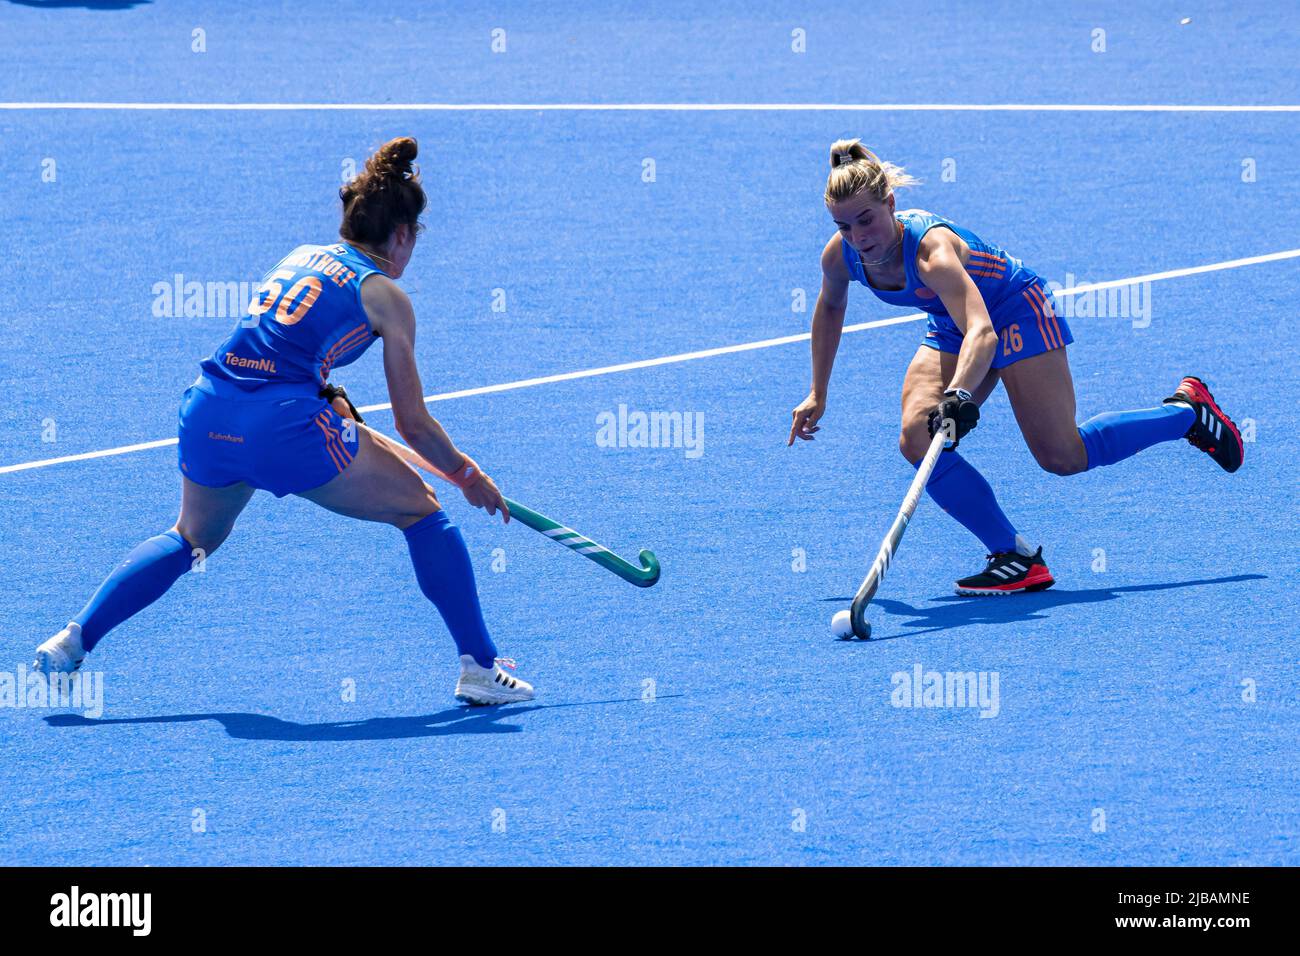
{"x": 952, "y": 611}
{"x": 456, "y": 720}
{"x": 82, "y": 4}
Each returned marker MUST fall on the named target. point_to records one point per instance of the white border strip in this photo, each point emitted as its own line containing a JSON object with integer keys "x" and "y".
{"x": 682, "y": 107}
{"x": 85, "y": 456}
{"x": 691, "y": 356}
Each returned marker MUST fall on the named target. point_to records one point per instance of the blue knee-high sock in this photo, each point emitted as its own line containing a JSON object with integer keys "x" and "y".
{"x": 960, "y": 490}
{"x": 1114, "y": 436}
{"x": 446, "y": 576}
{"x": 142, "y": 578}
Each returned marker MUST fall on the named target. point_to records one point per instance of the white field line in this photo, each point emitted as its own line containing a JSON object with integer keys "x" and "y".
{"x": 689, "y": 356}
{"x": 680, "y": 107}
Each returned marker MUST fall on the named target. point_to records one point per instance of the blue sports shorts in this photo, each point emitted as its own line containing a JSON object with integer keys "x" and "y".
{"x": 281, "y": 438}
{"x": 1025, "y": 321}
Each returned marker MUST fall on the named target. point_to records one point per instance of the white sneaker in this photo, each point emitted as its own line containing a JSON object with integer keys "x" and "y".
{"x": 62, "y": 653}
{"x": 489, "y": 685}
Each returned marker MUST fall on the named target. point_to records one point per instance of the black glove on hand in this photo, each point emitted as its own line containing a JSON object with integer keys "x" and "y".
{"x": 958, "y": 408}
{"x": 331, "y": 392}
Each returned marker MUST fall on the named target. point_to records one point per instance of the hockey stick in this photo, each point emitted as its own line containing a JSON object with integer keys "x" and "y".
{"x": 643, "y": 577}
{"x": 858, "y": 611}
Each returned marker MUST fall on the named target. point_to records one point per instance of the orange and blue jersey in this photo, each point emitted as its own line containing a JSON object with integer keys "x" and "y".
{"x": 273, "y": 343}
{"x": 255, "y": 414}
{"x": 1016, "y": 297}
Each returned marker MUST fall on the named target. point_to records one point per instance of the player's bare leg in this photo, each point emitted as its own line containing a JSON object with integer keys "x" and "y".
{"x": 958, "y": 488}
{"x": 378, "y": 485}
{"x": 1041, "y": 392}
{"x": 206, "y": 519}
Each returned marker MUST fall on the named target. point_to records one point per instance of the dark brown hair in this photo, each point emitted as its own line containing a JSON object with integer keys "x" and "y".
{"x": 384, "y": 195}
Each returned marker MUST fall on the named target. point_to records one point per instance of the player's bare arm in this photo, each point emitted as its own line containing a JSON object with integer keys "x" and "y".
{"x": 827, "y": 326}
{"x": 939, "y": 266}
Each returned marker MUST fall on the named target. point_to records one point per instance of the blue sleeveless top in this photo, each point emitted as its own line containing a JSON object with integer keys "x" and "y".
{"x": 305, "y": 319}
{"x": 997, "y": 274}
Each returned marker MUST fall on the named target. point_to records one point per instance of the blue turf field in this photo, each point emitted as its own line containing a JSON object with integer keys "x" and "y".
{"x": 1121, "y": 689}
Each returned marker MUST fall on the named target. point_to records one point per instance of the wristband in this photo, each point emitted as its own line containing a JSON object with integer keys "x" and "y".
{"x": 467, "y": 474}
{"x": 961, "y": 393}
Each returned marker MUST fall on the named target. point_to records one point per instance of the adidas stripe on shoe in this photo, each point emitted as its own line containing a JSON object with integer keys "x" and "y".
{"x": 1212, "y": 432}
{"x": 1008, "y": 572}
{"x": 490, "y": 685}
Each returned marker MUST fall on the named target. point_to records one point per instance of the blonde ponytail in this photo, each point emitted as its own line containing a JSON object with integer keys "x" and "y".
{"x": 854, "y": 168}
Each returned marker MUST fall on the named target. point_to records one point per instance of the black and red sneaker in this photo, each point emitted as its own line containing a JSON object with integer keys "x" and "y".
{"x": 1008, "y": 572}
{"x": 1213, "y": 432}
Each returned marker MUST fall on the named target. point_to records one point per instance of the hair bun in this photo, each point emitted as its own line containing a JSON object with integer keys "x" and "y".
{"x": 385, "y": 194}
{"x": 394, "y": 160}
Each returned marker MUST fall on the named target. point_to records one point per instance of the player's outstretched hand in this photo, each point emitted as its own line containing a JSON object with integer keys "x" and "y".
{"x": 484, "y": 494}
{"x": 806, "y": 416}
{"x": 955, "y": 416}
